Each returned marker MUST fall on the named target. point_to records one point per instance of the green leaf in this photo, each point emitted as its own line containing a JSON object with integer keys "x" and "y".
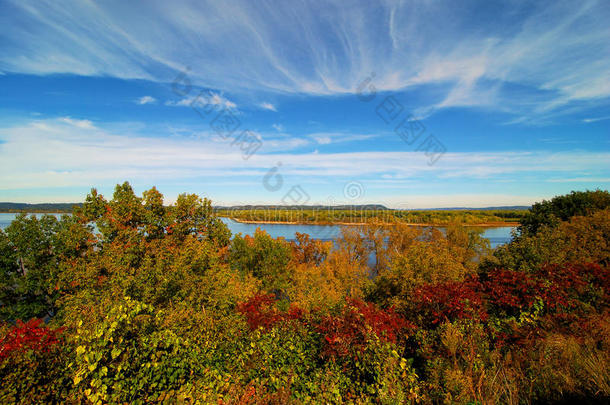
{"x": 115, "y": 352}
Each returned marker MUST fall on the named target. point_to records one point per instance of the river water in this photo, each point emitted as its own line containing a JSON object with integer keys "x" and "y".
{"x": 496, "y": 236}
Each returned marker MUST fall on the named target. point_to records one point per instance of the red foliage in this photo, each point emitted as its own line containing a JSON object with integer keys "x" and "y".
{"x": 350, "y": 330}
{"x": 249, "y": 240}
{"x": 510, "y": 290}
{"x": 260, "y": 311}
{"x": 563, "y": 285}
{"x": 452, "y": 300}
{"x": 562, "y": 288}
{"x": 29, "y": 335}
{"x": 341, "y": 334}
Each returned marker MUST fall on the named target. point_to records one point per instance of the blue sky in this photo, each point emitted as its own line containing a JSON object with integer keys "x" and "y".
{"x": 410, "y": 104}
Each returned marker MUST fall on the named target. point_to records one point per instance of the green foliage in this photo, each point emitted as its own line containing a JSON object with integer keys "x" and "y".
{"x": 192, "y": 215}
{"x": 378, "y": 372}
{"x": 282, "y": 357}
{"x": 424, "y": 255}
{"x": 150, "y": 303}
{"x": 128, "y": 357}
{"x": 32, "y": 251}
{"x": 581, "y": 239}
{"x": 562, "y": 208}
{"x": 263, "y": 257}
{"x": 27, "y": 269}
{"x": 130, "y": 217}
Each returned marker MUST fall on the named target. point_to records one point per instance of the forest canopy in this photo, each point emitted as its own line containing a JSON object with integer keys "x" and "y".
{"x": 130, "y": 300}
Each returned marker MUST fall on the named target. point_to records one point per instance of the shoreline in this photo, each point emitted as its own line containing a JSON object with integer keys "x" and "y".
{"x": 34, "y": 212}
{"x": 480, "y": 225}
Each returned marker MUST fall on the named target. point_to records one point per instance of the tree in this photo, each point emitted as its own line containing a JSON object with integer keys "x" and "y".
{"x": 419, "y": 255}
{"x": 192, "y": 215}
{"x": 155, "y": 213}
{"x": 32, "y": 251}
{"x": 581, "y": 239}
{"x": 263, "y": 257}
{"x": 562, "y": 208}
{"x": 308, "y": 250}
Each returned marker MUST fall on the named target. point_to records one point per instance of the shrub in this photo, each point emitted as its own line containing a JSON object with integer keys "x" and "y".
{"x": 129, "y": 358}
{"x": 28, "y": 336}
{"x": 511, "y": 291}
{"x": 278, "y": 359}
{"x": 33, "y": 364}
{"x": 436, "y": 303}
{"x": 261, "y": 312}
{"x": 348, "y": 333}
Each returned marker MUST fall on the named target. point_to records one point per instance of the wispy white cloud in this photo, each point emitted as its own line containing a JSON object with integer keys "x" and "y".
{"x": 83, "y": 124}
{"x": 278, "y": 127}
{"x": 268, "y": 106}
{"x": 217, "y": 99}
{"x": 596, "y": 180}
{"x": 202, "y": 99}
{"x": 66, "y": 152}
{"x": 283, "y": 144}
{"x": 557, "y": 50}
{"x": 326, "y": 138}
{"x": 589, "y": 120}
{"x": 146, "y": 100}
{"x": 448, "y": 200}
{"x": 322, "y": 139}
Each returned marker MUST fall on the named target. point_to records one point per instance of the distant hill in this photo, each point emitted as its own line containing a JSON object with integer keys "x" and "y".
{"x": 46, "y": 207}
{"x": 501, "y": 208}
{"x": 67, "y": 207}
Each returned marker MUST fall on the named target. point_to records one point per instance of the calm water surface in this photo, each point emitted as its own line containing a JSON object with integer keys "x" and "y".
{"x": 496, "y": 236}
{"x": 6, "y": 219}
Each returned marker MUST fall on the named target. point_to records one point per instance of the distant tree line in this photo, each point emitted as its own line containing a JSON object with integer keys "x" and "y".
{"x": 365, "y": 215}
{"x": 38, "y": 208}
